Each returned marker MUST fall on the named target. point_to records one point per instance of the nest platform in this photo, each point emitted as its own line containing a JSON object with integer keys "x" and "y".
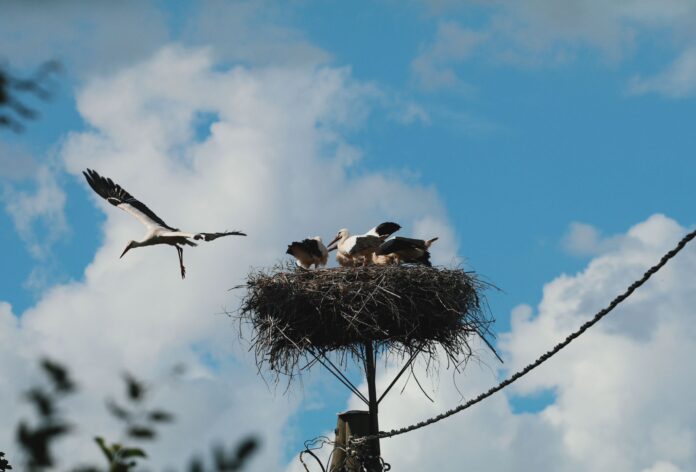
{"x": 403, "y": 310}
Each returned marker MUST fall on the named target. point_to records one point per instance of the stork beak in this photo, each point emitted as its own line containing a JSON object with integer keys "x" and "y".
{"x": 128, "y": 248}
{"x": 332, "y": 245}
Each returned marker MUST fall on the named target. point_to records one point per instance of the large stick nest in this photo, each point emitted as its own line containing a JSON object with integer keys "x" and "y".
{"x": 405, "y": 310}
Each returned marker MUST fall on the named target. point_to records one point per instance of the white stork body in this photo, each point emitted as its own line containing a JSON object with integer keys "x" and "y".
{"x": 158, "y": 232}
{"x": 309, "y": 252}
{"x": 359, "y": 249}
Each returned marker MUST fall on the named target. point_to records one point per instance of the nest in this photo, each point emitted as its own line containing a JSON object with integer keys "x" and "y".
{"x": 298, "y": 314}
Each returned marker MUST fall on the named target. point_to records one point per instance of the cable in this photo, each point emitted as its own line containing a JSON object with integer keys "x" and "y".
{"x": 546, "y": 356}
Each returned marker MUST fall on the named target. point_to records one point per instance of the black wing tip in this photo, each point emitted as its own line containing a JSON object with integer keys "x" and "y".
{"x": 98, "y": 183}
{"x": 387, "y": 228}
{"x": 213, "y": 236}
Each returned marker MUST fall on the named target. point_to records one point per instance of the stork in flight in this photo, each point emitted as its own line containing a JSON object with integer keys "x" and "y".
{"x": 357, "y": 249}
{"x": 399, "y": 249}
{"x": 309, "y": 251}
{"x": 158, "y": 232}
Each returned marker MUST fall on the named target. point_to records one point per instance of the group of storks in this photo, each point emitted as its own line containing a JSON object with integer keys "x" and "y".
{"x": 373, "y": 247}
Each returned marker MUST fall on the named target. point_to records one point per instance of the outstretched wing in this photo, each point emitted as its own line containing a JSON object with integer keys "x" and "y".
{"x": 408, "y": 250}
{"x": 364, "y": 243}
{"x": 385, "y": 229}
{"x": 117, "y": 196}
{"x": 399, "y": 244}
{"x": 212, "y": 236}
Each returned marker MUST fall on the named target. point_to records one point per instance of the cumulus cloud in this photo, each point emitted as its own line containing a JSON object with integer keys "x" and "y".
{"x": 38, "y": 214}
{"x": 583, "y": 239}
{"x": 677, "y": 81}
{"x": 274, "y": 164}
{"x": 16, "y": 163}
{"x": 254, "y": 32}
{"x": 100, "y": 37}
{"x": 623, "y": 391}
{"x": 89, "y": 35}
{"x": 433, "y": 68}
{"x": 544, "y": 32}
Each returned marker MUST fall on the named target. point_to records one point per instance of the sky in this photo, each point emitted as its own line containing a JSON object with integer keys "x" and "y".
{"x": 548, "y": 144}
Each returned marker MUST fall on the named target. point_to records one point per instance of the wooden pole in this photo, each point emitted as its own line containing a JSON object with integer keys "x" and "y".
{"x": 359, "y": 423}
{"x": 370, "y": 373}
{"x": 350, "y": 423}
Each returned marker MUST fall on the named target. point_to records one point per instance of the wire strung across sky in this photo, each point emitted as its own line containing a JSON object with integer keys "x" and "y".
{"x": 521, "y": 373}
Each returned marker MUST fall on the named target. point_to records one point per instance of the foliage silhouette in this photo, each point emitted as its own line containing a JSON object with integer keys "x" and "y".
{"x": 4, "y": 465}
{"x": 12, "y": 109}
{"x": 140, "y": 423}
{"x": 231, "y": 461}
{"x": 36, "y": 441}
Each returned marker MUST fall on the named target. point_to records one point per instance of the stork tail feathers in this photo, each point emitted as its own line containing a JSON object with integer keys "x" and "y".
{"x": 430, "y": 241}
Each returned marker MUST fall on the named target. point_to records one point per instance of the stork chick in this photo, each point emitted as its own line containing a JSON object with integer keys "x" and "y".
{"x": 308, "y": 252}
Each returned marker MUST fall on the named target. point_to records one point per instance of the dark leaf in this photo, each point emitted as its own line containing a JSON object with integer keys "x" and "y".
{"x": 42, "y": 401}
{"x": 58, "y": 375}
{"x": 104, "y": 448}
{"x": 141, "y": 432}
{"x": 134, "y": 388}
{"x": 117, "y": 410}
{"x": 133, "y": 452}
{"x": 247, "y": 448}
{"x": 4, "y": 464}
{"x": 220, "y": 457}
{"x": 161, "y": 416}
{"x": 37, "y": 442}
{"x": 196, "y": 465}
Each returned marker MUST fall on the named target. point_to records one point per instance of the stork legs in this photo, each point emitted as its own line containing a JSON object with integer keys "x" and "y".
{"x": 180, "y": 251}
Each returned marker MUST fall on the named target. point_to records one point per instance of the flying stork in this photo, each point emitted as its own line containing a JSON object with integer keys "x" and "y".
{"x": 309, "y": 251}
{"x": 399, "y": 249}
{"x": 357, "y": 249}
{"x": 158, "y": 232}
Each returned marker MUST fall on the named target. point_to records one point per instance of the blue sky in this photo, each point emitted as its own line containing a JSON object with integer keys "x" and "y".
{"x": 522, "y": 123}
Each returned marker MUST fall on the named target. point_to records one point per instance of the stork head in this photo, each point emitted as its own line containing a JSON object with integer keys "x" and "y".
{"x": 130, "y": 246}
{"x": 342, "y": 234}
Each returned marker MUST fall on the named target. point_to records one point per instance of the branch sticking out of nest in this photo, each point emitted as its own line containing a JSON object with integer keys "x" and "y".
{"x": 402, "y": 309}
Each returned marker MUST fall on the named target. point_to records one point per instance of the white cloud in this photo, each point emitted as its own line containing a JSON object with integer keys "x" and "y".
{"x": 543, "y": 32}
{"x": 433, "y": 68}
{"x": 38, "y": 215}
{"x": 100, "y": 37}
{"x": 254, "y": 32}
{"x": 678, "y": 80}
{"x": 623, "y": 391}
{"x": 89, "y": 35}
{"x": 273, "y": 165}
{"x": 585, "y": 240}
{"x": 16, "y": 163}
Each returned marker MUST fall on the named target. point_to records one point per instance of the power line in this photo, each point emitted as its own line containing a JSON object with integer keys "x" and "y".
{"x": 546, "y": 356}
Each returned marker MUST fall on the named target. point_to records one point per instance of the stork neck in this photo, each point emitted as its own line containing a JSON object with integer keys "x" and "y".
{"x": 343, "y": 240}
{"x": 142, "y": 243}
